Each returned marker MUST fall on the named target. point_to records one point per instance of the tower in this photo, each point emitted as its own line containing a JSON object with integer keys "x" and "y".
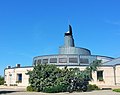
{"x": 68, "y": 38}
{"x": 69, "y": 46}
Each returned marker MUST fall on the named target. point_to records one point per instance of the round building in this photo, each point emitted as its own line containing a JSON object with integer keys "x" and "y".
{"x": 69, "y": 55}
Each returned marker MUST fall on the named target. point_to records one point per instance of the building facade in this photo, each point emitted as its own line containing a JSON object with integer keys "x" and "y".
{"x": 72, "y": 57}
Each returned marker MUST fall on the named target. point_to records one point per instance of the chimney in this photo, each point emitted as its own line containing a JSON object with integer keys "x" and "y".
{"x": 8, "y": 67}
{"x": 18, "y": 65}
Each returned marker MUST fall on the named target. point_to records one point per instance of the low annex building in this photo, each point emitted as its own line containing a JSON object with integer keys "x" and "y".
{"x": 72, "y": 57}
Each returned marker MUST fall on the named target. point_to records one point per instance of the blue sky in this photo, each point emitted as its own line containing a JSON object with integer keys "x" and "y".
{"x": 31, "y": 28}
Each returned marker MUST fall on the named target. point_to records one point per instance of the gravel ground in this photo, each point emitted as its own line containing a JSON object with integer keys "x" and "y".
{"x": 16, "y": 92}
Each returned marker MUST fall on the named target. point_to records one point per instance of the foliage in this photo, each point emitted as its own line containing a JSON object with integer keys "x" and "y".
{"x": 91, "y": 68}
{"x": 1, "y": 80}
{"x": 29, "y": 88}
{"x": 116, "y": 90}
{"x": 56, "y": 89}
{"x": 19, "y": 81}
{"x": 49, "y": 78}
{"x": 12, "y": 84}
{"x": 100, "y": 79}
{"x": 44, "y": 76}
{"x": 93, "y": 87}
{"x": 5, "y": 84}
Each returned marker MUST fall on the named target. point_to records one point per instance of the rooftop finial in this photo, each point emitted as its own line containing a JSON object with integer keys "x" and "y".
{"x": 69, "y": 41}
{"x": 70, "y": 29}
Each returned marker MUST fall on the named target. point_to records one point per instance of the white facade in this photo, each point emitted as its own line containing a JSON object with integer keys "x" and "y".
{"x": 12, "y": 76}
{"x": 111, "y": 75}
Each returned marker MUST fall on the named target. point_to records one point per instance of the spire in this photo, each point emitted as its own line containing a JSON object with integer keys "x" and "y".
{"x": 69, "y": 41}
{"x": 69, "y": 31}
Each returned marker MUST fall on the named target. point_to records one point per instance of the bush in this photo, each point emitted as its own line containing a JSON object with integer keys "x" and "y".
{"x": 50, "y": 79}
{"x": 116, "y": 90}
{"x": 19, "y": 81}
{"x": 15, "y": 85}
{"x": 93, "y": 87}
{"x": 1, "y": 80}
{"x": 5, "y": 84}
{"x": 56, "y": 89}
{"x": 30, "y": 88}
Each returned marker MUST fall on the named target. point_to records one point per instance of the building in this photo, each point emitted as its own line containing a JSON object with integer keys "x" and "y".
{"x": 70, "y": 56}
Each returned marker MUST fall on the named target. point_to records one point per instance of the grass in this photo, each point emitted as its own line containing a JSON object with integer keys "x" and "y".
{"x": 116, "y": 90}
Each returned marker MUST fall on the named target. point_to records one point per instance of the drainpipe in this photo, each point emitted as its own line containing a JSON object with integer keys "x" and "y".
{"x": 114, "y": 69}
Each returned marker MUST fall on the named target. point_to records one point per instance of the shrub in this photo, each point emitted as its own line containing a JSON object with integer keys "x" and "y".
{"x": 100, "y": 79}
{"x": 19, "y": 81}
{"x": 1, "y": 80}
{"x": 5, "y": 84}
{"x": 49, "y": 78}
{"x": 56, "y": 89}
{"x": 116, "y": 90}
{"x": 50, "y": 89}
{"x": 93, "y": 87}
{"x": 12, "y": 84}
{"x": 15, "y": 85}
{"x": 30, "y": 88}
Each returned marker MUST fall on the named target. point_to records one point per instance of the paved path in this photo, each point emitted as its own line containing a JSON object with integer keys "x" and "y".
{"x": 4, "y": 90}
{"x": 16, "y": 92}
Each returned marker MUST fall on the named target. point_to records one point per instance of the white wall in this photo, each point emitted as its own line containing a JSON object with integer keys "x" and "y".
{"x": 14, "y": 71}
{"x": 108, "y": 75}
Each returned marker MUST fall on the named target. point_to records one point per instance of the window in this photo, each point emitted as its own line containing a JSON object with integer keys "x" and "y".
{"x": 39, "y": 61}
{"x": 19, "y": 78}
{"x": 62, "y": 60}
{"x": 53, "y": 60}
{"x": 45, "y": 61}
{"x": 34, "y": 63}
{"x": 84, "y": 60}
{"x": 10, "y": 74}
{"x": 73, "y": 60}
{"x": 100, "y": 75}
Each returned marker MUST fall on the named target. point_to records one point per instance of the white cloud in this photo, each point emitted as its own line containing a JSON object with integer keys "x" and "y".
{"x": 113, "y": 22}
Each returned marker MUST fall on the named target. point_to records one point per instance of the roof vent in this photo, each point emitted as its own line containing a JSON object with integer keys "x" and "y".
{"x": 8, "y": 67}
{"x": 18, "y": 65}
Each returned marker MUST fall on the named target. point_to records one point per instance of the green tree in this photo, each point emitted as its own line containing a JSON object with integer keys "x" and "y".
{"x": 92, "y": 68}
{"x": 46, "y": 76}
{"x": 1, "y": 80}
{"x": 49, "y": 78}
